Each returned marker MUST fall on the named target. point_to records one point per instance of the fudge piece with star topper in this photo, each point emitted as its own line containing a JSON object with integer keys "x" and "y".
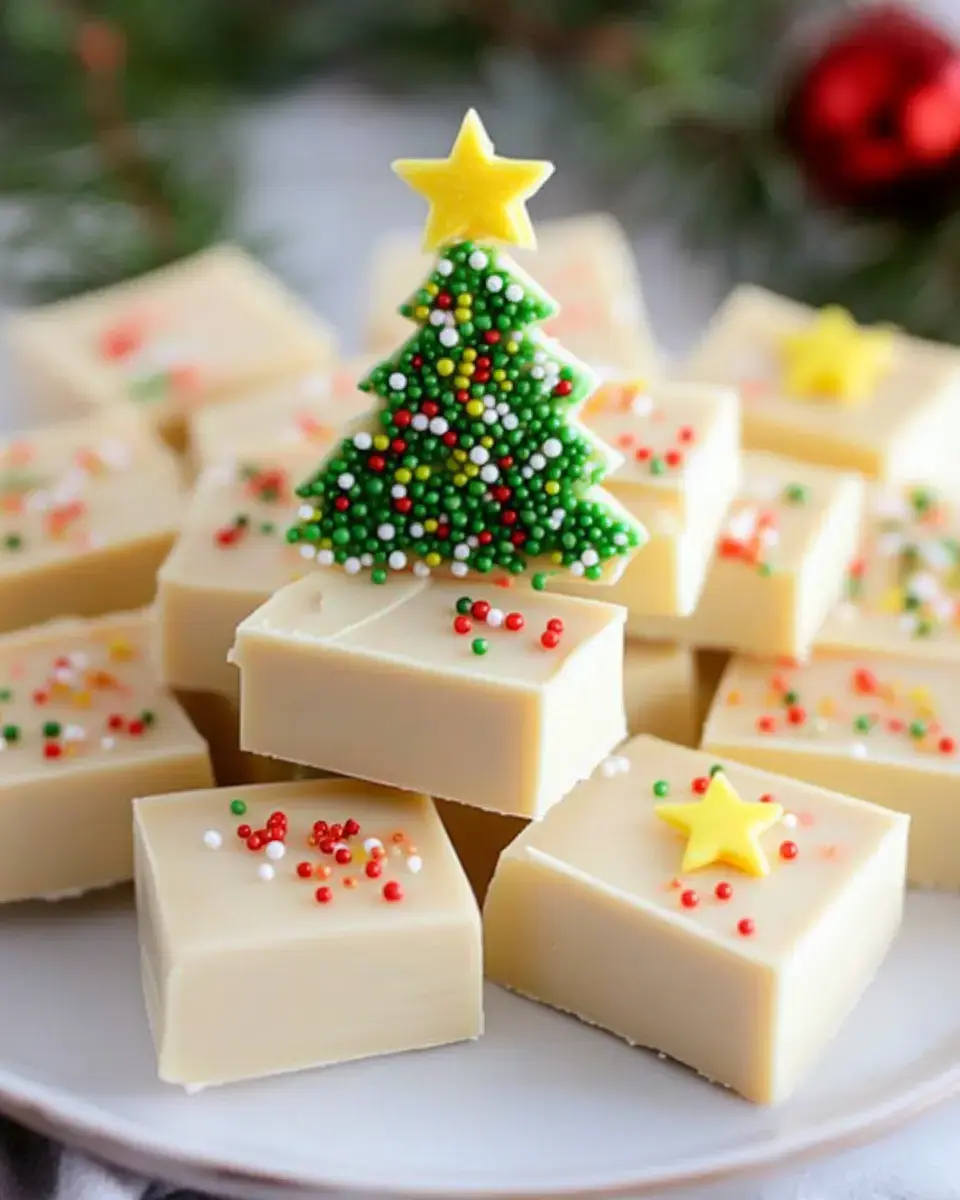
{"x": 332, "y": 915}
{"x": 476, "y": 460}
{"x": 884, "y": 729}
{"x": 816, "y": 386}
{"x": 723, "y": 916}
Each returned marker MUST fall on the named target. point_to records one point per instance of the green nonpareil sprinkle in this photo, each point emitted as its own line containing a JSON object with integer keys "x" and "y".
{"x": 918, "y": 729}
{"x": 11, "y": 733}
{"x": 13, "y": 541}
{"x": 796, "y": 493}
{"x": 6, "y": 695}
{"x": 715, "y": 769}
{"x": 661, "y": 788}
{"x": 238, "y": 807}
{"x": 863, "y": 723}
{"x": 52, "y": 729}
{"x": 480, "y": 646}
{"x": 464, "y": 604}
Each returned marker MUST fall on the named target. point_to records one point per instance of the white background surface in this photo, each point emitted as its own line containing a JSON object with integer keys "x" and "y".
{"x": 319, "y": 179}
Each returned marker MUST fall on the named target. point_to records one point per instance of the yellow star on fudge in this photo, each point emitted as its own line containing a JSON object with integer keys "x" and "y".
{"x": 835, "y": 357}
{"x": 722, "y": 828}
{"x": 473, "y": 193}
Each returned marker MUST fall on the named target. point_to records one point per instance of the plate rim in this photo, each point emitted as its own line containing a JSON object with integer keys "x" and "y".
{"x": 124, "y": 1143}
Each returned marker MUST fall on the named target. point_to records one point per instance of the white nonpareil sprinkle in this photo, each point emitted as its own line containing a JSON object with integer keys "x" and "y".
{"x": 790, "y": 820}
{"x": 479, "y": 455}
{"x": 459, "y": 569}
{"x": 397, "y": 381}
{"x": 74, "y": 733}
{"x": 577, "y": 568}
{"x": 590, "y": 557}
{"x": 449, "y": 337}
{"x": 495, "y": 618}
{"x": 439, "y": 425}
{"x": 107, "y": 743}
{"x": 445, "y": 266}
{"x": 461, "y": 550}
{"x": 537, "y": 372}
{"x": 620, "y": 539}
{"x": 416, "y": 530}
{"x": 489, "y": 417}
{"x": 421, "y": 570}
{"x": 266, "y": 872}
{"x": 478, "y": 260}
{"x": 275, "y": 850}
{"x": 490, "y": 473}
{"x": 398, "y": 491}
{"x": 397, "y": 560}
{"x": 553, "y": 447}
{"x": 510, "y": 420}
{"x": 308, "y": 551}
{"x": 345, "y": 481}
{"x": 213, "y": 839}
{"x": 537, "y": 462}
{"x": 420, "y": 422}
{"x": 616, "y": 764}
{"x": 324, "y": 557}
{"x": 859, "y": 750}
{"x": 386, "y": 531}
{"x": 438, "y": 318}
{"x": 366, "y": 560}
{"x": 494, "y": 283}
{"x": 370, "y": 844}
{"x": 305, "y": 511}
{"x": 527, "y": 472}
{"x": 415, "y": 864}
{"x": 514, "y": 293}
{"x": 352, "y": 566}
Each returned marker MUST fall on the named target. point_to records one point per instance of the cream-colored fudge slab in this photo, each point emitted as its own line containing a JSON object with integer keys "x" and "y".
{"x": 217, "y": 719}
{"x": 884, "y": 730}
{"x": 479, "y": 836}
{"x": 660, "y": 691}
{"x": 587, "y": 913}
{"x": 227, "y": 953}
{"x": 779, "y": 562}
{"x": 179, "y": 338}
{"x": 585, "y": 263}
{"x": 710, "y": 666}
{"x": 88, "y": 512}
{"x": 903, "y": 585}
{"x": 680, "y": 471}
{"x": 231, "y": 556}
{"x": 401, "y": 698}
{"x": 902, "y": 431}
{"x": 309, "y": 410}
{"x": 84, "y": 727}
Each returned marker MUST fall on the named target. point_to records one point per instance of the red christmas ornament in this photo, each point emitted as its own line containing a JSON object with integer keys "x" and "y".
{"x": 874, "y": 118}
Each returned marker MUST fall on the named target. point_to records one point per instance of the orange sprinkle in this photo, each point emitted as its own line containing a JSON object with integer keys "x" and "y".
{"x": 349, "y": 881}
{"x": 734, "y": 697}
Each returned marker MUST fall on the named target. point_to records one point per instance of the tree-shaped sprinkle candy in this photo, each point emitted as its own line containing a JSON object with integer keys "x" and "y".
{"x": 475, "y": 460}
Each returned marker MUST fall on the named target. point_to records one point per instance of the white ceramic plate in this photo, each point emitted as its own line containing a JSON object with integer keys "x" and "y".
{"x": 541, "y": 1106}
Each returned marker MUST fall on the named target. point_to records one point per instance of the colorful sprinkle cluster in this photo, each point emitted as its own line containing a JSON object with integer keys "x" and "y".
{"x": 264, "y": 485}
{"x": 910, "y": 564}
{"x": 476, "y": 463}
{"x": 76, "y": 707}
{"x": 662, "y": 448}
{"x": 749, "y": 535}
{"x": 868, "y": 706}
{"x": 155, "y": 365}
{"x": 339, "y": 856}
{"x": 481, "y": 612}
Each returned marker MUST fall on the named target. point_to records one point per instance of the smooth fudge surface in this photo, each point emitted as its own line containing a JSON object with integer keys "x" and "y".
{"x": 898, "y": 427}
{"x": 231, "y": 556}
{"x": 178, "y": 338}
{"x": 743, "y": 977}
{"x": 779, "y": 562}
{"x": 903, "y": 584}
{"x": 885, "y": 730}
{"x": 309, "y": 410}
{"x": 660, "y": 691}
{"x": 501, "y": 717}
{"x": 680, "y": 471}
{"x": 88, "y": 511}
{"x": 342, "y": 943}
{"x": 85, "y": 726}
{"x": 585, "y": 263}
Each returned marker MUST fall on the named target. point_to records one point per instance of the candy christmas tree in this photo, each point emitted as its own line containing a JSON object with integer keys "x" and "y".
{"x": 475, "y": 460}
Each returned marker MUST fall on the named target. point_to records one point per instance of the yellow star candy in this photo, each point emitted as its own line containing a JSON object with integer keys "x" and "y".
{"x": 835, "y": 358}
{"x": 722, "y": 828}
{"x": 473, "y": 193}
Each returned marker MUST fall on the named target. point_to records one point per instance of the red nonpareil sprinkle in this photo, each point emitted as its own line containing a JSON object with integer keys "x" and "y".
{"x": 642, "y": 453}
{"x": 392, "y": 891}
{"x": 403, "y": 504}
{"x": 864, "y": 681}
{"x": 555, "y": 625}
{"x": 767, "y": 798}
{"x": 700, "y": 784}
{"x": 326, "y": 846}
{"x": 336, "y": 831}
{"x": 766, "y": 724}
{"x": 341, "y": 504}
{"x": 40, "y": 697}
{"x": 563, "y": 388}
{"x": 121, "y": 340}
{"x": 324, "y": 895}
{"x": 243, "y": 832}
{"x": 115, "y": 722}
{"x": 304, "y": 870}
{"x": 277, "y": 818}
{"x": 462, "y": 625}
{"x": 351, "y": 827}
{"x": 549, "y": 640}
{"x": 789, "y": 851}
{"x": 135, "y": 728}
{"x": 343, "y": 856}
{"x": 450, "y": 438}
{"x": 796, "y": 715}
{"x": 673, "y": 458}
{"x": 723, "y": 891}
{"x": 480, "y": 609}
{"x": 444, "y": 300}
{"x": 491, "y": 337}
{"x": 514, "y": 622}
{"x": 896, "y": 724}
{"x": 321, "y": 829}
{"x": 374, "y": 869}
{"x": 746, "y": 927}
{"x": 689, "y": 898}
{"x": 52, "y": 750}
{"x": 228, "y": 535}
{"x": 685, "y": 434}
{"x": 402, "y": 418}
{"x": 254, "y": 842}
{"x": 429, "y": 409}
{"x": 398, "y": 837}
{"x": 779, "y": 683}
{"x": 946, "y": 745}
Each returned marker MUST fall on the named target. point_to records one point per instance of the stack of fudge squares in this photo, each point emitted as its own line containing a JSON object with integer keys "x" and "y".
{"x": 682, "y": 798}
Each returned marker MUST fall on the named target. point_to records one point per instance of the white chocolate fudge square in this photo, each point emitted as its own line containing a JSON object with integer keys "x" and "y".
{"x": 585, "y": 263}
{"x": 231, "y": 556}
{"x": 88, "y": 512}
{"x": 309, "y": 410}
{"x": 177, "y": 339}
{"x": 332, "y": 915}
{"x": 881, "y": 729}
{"x": 779, "y": 564}
{"x": 743, "y": 977}
{"x": 680, "y": 471}
{"x": 893, "y": 422}
{"x": 508, "y": 714}
{"x": 84, "y": 728}
{"x": 903, "y": 585}
{"x": 660, "y": 691}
